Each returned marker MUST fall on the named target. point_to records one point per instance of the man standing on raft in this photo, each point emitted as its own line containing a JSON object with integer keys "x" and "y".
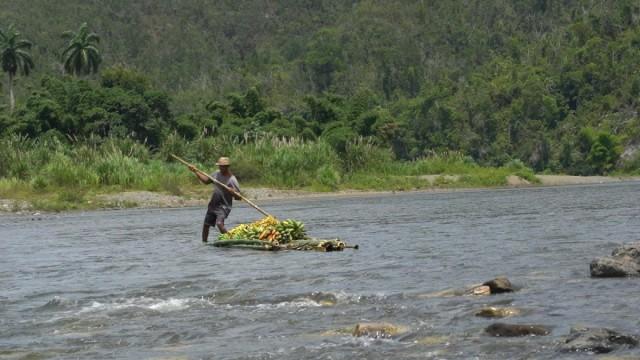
{"x": 221, "y": 199}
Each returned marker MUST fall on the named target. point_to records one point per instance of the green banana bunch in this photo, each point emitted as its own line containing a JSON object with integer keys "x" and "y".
{"x": 292, "y": 230}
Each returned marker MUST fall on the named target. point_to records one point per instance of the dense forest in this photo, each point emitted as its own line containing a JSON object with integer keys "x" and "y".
{"x": 552, "y": 84}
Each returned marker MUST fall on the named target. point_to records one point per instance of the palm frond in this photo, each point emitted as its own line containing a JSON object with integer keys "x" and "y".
{"x": 85, "y": 60}
{"x": 93, "y": 37}
{"x": 26, "y": 63}
{"x": 69, "y": 48}
{"x": 93, "y": 50}
{"x": 24, "y": 44}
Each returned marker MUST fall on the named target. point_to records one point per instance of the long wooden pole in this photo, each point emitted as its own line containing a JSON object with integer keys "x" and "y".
{"x": 224, "y": 186}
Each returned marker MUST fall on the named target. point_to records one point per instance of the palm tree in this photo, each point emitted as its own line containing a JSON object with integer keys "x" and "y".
{"x": 14, "y": 57}
{"x": 81, "y": 56}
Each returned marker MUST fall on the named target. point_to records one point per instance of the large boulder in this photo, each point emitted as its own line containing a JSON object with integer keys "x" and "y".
{"x": 614, "y": 267}
{"x": 499, "y": 285}
{"x": 512, "y": 330}
{"x": 624, "y": 261}
{"x": 596, "y": 340}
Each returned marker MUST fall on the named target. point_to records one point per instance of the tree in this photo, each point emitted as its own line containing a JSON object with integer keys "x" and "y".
{"x": 81, "y": 56}
{"x": 14, "y": 57}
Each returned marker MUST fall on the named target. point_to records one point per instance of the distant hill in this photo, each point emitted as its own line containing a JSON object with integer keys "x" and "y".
{"x": 293, "y": 47}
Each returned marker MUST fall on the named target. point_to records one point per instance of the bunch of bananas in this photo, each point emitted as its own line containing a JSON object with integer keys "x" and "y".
{"x": 267, "y": 229}
{"x": 290, "y": 230}
{"x": 239, "y": 232}
{"x": 266, "y": 222}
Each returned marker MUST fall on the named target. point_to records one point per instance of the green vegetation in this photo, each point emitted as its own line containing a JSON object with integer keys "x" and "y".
{"x": 318, "y": 95}
{"x": 14, "y": 57}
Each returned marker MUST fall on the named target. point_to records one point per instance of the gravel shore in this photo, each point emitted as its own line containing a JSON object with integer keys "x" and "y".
{"x": 147, "y": 199}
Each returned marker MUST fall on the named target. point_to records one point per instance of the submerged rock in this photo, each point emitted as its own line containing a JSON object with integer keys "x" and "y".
{"x": 498, "y": 312}
{"x": 432, "y": 340}
{"x": 624, "y": 261}
{"x": 378, "y": 330}
{"x": 596, "y": 340}
{"x": 513, "y": 330}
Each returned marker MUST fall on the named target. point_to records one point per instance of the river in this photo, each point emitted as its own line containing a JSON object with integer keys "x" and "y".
{"x": 139, "y": 284}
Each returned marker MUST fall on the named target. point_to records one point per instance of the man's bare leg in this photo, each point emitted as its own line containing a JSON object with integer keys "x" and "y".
{"x": 205, "y": 233}
{"x": 221, "y": 227}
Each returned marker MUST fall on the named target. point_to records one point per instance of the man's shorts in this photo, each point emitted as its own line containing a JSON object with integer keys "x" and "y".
{"x": 216, "y": 216}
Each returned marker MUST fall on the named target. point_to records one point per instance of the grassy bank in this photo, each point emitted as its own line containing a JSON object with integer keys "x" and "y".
{"x": 54, "y": 174}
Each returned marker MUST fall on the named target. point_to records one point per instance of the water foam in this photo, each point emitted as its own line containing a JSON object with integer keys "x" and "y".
{"x": 57, "y": 303}
{"x": 153, "y": 304}
{"x": 294, "y": 304}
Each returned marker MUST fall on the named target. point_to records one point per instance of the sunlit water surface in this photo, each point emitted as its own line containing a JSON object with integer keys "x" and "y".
{"x": 139, "y": 284}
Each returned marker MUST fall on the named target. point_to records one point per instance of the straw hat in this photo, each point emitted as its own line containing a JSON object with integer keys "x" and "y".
{"x": 223, "y": 161}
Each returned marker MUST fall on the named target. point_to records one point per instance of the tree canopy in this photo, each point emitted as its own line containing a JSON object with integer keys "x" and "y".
{"x": 552, "y": 84}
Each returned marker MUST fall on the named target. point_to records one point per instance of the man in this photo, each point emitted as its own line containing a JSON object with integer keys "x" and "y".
{"x": 221, "y": 199}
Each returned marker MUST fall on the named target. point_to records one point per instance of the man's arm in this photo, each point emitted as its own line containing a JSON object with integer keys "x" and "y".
{"x": 202, "y": 177}
{"x": 233, "y": 183}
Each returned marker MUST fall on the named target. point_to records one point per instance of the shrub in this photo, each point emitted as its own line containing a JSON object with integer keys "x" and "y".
{"x": 115, "y": 168}
{"x": 362, "y": 153}
{"x": 64, "y": 171}
{"x": 328, "y": 176}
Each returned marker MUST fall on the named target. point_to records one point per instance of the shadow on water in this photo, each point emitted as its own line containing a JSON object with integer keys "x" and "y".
{"x": 138, "y": 283}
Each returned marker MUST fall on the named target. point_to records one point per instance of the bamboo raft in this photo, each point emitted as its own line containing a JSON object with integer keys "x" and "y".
{"x": 310, "y": 244}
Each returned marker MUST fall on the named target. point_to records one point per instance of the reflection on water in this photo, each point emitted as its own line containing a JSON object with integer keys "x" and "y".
{"x": 138, "y": 283}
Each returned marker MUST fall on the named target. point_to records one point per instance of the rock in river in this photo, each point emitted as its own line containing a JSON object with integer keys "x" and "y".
{"x": 498, "y": 312}
{"x": 496, "y": 286}
{"x": 624, "y": 261}
{"x": 378, "y": 330}
{"x": 480, "y": 290}
{"x": 512, "y": 330}
{"x": 499, "y": 285}
{"x": 596, "y": 340}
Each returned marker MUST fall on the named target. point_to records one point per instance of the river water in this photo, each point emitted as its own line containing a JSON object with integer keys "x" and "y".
{"x": 139, "y": 284}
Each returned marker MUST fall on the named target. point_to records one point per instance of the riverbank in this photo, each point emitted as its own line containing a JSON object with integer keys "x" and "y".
{"x": 199, "y": 195}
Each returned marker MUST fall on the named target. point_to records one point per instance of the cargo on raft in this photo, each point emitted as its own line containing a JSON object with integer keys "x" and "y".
{"x": 324, "y": 245}
{"x": 271, "y": 234}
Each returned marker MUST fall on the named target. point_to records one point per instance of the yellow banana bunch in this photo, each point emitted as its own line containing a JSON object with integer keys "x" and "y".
{"x": 267, "y": 229}
{"x": 266, "y": 222}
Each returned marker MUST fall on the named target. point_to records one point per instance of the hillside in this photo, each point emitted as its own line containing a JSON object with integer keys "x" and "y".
{"x": 554, "y": 84}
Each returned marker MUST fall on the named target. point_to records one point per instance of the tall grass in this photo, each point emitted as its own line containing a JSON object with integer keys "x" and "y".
{"x": 290, "y": 163}
{"x": 50, "y": 163}
{"x": 70, "y": 170}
